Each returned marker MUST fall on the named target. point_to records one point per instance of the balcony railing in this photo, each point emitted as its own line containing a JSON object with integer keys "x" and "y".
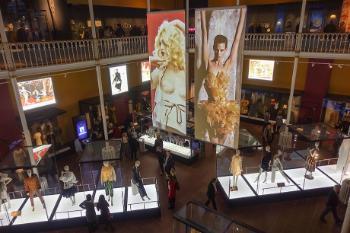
{"x": 115, "y": 47}
{"x": 338, "y": 43}
{"x": 39, "y": 54}
{"x": 272, "y": 42}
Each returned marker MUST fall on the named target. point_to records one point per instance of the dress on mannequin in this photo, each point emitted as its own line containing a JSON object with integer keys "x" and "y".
{"x": 277, "y": 166}
{"x": 69, "y": 181}
{"x": 344, "y": 156}
{"x": 265, "y": 164}
{"x": 4, "y": 196}
{"x": 108, "y": 177}
{"x": 108, "y": 152}
{"x": 37, "y": 136}
{"x": 310, "y": 164}
{"x": 285, "y": 142}
{"x": 19, "y": 157}
{"x": 236, "y": 169}
{"x": 137, "y": 180}
{"x": 32, "y": 186}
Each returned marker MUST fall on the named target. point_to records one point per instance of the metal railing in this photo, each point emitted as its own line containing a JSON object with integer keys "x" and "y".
{"x": 272, "y": 42}
{"x": 40, "y": 54}
{"x": 338, "y": 43}
{"x": 115, "y": 47}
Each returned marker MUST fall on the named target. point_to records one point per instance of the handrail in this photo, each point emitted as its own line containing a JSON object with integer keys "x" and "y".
{"x": 48, "y": 53}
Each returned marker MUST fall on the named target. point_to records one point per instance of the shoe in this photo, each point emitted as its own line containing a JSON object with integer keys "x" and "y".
{"x": 148, "y": 198}
{"x": 33, "y": 209}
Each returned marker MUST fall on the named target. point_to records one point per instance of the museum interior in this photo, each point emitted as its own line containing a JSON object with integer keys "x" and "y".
{"x": 175, "y": 116}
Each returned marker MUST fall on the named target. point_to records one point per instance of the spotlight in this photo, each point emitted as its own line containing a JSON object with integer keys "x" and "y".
{"x": 340, "y": 66}
{"x": 312, "y": 64}
{"x": 330, "y": 66}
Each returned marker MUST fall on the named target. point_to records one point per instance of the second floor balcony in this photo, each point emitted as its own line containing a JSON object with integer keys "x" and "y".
{"x": 38, "y": 57}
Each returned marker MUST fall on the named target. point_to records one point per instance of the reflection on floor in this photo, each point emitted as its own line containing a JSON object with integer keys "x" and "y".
{"x": 5, "y": 218}
{"x": 118, "y": 200}
{"x": 39, "y": 214}
{"x": 264, "y": 188}
{"x": 243, "y": 189}
{"x": 66, "y": 210}
{"x": 331, "y": 171}
{"x": 136, "y": 203}
{"x": 320, "y": 180}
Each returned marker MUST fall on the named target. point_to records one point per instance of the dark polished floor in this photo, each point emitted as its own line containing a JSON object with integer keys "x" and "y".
{"x": 293, "y": 216}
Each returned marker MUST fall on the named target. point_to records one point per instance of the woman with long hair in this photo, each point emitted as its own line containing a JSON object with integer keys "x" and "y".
{"x": 105, "y": 217}
{"x": 169, "y": 76}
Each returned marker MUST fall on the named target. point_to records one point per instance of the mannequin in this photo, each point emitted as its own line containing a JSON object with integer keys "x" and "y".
{"x": 344, "y": 155}
{"x": 276, "y": 165}
{"x": 4, "y": 181}
{"x": 19, "y": 157}
{"x": 310, "y": 164}
{"x": 265, "y": 163}
{"x": 108, "y": 152}
{"x": 137, "y": 181}
{"x": 236, "y": 169}
{"x": 32, "y": 186}
{"x": 285, "y": 142}
{"x": 108, "y": 176}
{"x": 69, "y": 181}
{"x": 37, "y": 136}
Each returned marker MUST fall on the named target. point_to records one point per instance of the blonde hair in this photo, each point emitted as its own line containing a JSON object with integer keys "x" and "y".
{"x": 172, "y": 35}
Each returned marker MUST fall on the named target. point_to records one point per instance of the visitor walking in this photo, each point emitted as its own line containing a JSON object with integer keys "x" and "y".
{"x": 105, "y": 217}
{"x": 124, "y": 148}
{"x": 158, "y": 147}
{"x": 331, "y": 205}
{"x": 169, "y": 163}
{"x": 134, "y": 146}
{"x": 89, "y": 206}
{"x": 211, "y": 191}
{"x": 173, "y": 185}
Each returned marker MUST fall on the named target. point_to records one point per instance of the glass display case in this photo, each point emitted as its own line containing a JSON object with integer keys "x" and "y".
{"x": 135, "y": 202}
{"x": 183, "y": 147}
{"x": 318, "y": 161}
{"x": 197, "y": 218}
{"x": 247, "y": 144}
{"x": 333, "y": 152}
{"x": 255, "y": 102}
{"x": 28, "y": 192}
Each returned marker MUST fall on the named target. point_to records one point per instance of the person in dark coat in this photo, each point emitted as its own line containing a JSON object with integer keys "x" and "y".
{"x": 158, "y": 147}
{"x": 134, "y": 146}
{"x": 331, "y": 205}
{"x": 89, "y": 206}
{"x": 211, "y": 191}
{"x": 105, "y": 217}
{"x": 169, "y": 163}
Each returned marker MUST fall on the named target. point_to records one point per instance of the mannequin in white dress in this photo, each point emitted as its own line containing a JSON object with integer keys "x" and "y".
{"x": 4, "y": 181}
{"x": 69, "y": 181}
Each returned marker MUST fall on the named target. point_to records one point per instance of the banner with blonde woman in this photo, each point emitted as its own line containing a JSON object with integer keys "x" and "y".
{"x": 218, "y": 59}
{"x": 167, "y": 50}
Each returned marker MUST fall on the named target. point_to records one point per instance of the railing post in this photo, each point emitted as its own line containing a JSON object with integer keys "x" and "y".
{"x": 295, "y": 64}
{"x": 98, "y": 69}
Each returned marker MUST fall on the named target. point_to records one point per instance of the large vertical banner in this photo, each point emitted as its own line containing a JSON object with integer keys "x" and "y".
{"x": 345, "y": 17}
{"x": 219, "y": 33}
{"x": 167, "y": 49}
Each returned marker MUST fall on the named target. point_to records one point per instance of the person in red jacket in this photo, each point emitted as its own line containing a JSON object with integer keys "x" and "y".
{"x": 172, "y": 187}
